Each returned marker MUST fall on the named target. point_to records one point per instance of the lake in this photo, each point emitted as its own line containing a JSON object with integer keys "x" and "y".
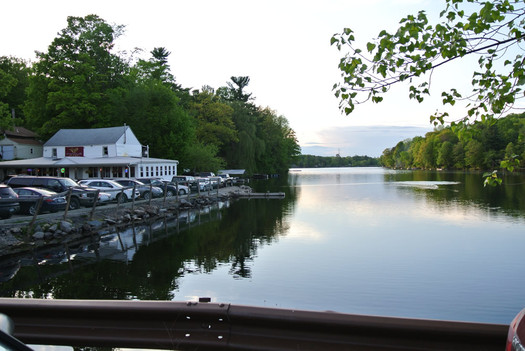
{"x": 372, "y": 241}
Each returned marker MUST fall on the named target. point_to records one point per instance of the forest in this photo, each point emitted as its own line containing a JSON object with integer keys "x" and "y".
{"x": 311, "y": 161}
{"x": 477, "y": 146}
{"x": 80, "y": 83}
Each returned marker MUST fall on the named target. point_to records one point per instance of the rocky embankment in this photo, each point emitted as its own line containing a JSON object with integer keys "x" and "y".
{"x": 19, "y": 235}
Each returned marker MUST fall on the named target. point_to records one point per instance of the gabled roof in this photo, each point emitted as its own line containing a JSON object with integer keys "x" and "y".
{"x": 24, "y": 141}
{"x": 19, "y": 132}
{"x": 78, "y": 137}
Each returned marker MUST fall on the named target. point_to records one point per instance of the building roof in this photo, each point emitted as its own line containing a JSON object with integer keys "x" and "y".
{"x": 19, "y": 132}
{"x": 84, "y": 162}
{"x": 92, "y": 136}
{"x": 24, "y": 141}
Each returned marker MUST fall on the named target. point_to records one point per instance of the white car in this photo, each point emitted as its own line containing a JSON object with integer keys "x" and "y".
{"x": 118, "y": 192}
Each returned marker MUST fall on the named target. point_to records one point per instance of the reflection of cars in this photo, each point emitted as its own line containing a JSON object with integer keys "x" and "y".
{"x": 145, "y": 191}
{"x": 118, "y": 192}
{"x": 8, "y": 201}
{"x": 171, "y": 189}
{"x": 516, "y": 335}
{"x": 52, "y": 202}
{"x": 79, "y": 195}
{"x": 200, "y": 184}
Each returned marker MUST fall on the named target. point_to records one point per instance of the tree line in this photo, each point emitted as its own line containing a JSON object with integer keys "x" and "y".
{"x": 478, "y": 146}
{"x": 79, "y": 82}
{"x": 311, "y": 161}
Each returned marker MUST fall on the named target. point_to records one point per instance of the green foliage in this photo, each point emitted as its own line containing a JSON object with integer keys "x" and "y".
{"x": 214, "y": 119}
{"x": 14, "y": 79}
{"x": 80, "y": 83}
{"x": 490, "y": 30}
{"x": 311, "y": 161}
{"x": 235, "y": 90}
{"x": 488, "y": 146}
{"x": 153, "y": 112}
{"x": 70, "y": 82}
{"x": 202, "y": 157}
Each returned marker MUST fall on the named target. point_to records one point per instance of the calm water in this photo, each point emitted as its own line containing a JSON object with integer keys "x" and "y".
{"x": 356, "y": 240}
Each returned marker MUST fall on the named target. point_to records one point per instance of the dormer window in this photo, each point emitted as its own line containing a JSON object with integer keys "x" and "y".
{"x": 105, "y": 151}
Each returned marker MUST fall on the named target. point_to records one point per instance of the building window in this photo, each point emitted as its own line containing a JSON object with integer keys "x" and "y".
{"x": 117, "y": 172}
{"x": 31, "y": 151}
{"x": 105, "y": 151}
{"x": 141, "y": 172}
{"x": 54, "y": 152}
{"x": 147, "y": 171}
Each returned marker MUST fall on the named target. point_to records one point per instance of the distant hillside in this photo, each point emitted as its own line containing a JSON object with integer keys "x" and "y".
{"x": 311, "y": 161}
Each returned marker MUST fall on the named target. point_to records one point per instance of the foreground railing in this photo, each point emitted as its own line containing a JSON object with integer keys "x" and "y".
{"x": 210, "y": 326}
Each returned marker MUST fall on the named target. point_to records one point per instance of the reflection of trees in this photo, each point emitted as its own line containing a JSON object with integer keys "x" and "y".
{"x": 161, "y": 258}
{"x": 508, "y": 198}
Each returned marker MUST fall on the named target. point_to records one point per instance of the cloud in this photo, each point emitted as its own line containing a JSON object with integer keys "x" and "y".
{"x": 351, "y": 141}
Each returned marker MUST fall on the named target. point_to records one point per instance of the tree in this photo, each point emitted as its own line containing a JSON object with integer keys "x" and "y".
{"x": 157, "y": 68}
{"x": 201, "y": 157}
{"x": 153, "y": 111}
{"x": 69, "y": 88}
{"x": 235, "y": 90}
{"x": 280, "y": 143}
{"x": 445, "y": 155}
{"x": 214, "y": 119}
{"x": 491, "y": 30}
{"x": 7, "y": 82}
{"x": 14, "y": 77}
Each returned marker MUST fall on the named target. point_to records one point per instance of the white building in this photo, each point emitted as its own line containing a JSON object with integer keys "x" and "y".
{"x": 94, "y": 153}
{"x": 19, "y": 143}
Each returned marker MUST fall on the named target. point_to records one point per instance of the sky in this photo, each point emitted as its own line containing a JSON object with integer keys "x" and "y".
{"x": 283, "y": 46}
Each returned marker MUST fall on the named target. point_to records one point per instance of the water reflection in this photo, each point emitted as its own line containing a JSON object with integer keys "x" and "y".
{"x": 372, "y": 241}
{"x": 147, "y": 261}
{"x": 463, "y": 193}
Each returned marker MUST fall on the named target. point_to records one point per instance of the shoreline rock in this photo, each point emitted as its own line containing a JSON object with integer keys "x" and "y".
{"x": 17, "y": 238}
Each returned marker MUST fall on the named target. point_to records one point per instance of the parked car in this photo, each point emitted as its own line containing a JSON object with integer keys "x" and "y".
{"x": 206, "y": 174}
{"x": 80, "y": 196}
{"x": 183, "y": 180}
{"x": 516, "y": 335}
{"x": 200, "y": 184}
{"x": 171, "y": 189}
{"x": 145, "y": 190}
{"x": 118, "y": 192}
{"x": 29, "y": 198}
{"x": 226, "y": 179}
{"x": 8, "y": 202}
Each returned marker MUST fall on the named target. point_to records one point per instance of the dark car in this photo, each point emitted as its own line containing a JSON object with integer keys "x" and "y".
{"x": 8, "y": 202}
{"x": 29, "y": 198}
{"x": 171, "y": 189}
{"x": 79, "y": 195}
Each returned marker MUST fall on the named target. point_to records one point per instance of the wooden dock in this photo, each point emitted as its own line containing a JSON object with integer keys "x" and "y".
{"x": 266, "y": 195}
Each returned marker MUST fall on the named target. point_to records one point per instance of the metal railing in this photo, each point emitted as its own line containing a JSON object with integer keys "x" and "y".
{"x": 210, "y": 326}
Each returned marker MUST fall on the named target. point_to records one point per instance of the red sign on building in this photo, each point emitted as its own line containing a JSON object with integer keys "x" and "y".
{"x": 74, "y": 151}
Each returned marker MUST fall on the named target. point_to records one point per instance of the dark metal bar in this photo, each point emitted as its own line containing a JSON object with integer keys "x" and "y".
{"x": 209, "y": 326}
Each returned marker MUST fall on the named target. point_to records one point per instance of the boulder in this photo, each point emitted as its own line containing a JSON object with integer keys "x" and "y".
{"x": 38, "y": 235}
